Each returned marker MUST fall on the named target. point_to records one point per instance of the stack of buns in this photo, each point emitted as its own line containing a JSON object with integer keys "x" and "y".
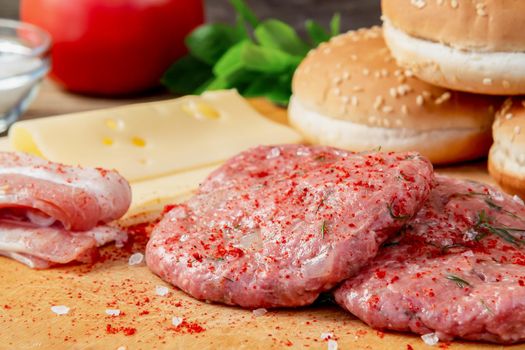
{"x": 431, "y": 79}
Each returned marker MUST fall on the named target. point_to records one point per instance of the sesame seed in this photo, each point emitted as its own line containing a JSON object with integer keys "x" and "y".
{"x": 509, "y": 116}
{"x": 378, "y": 102}
{"x": 426, "y": 94}
{"x": 487, "y": 81}
{"x": 418, "y": 3}
{"x": 454, "y": 4}
{"x": 372, "y": 119}
{"x": 338, "y": 65}
{"x": 387, "y": 109}
{"x": 377, "y": 74}
{"x": 353, "y": 57}
{"x": 440, "y": 2}
{"x": 345, "y": 99}
{"x": 480, "y": 9}
{"x": 393, "y": 92}
{"x": 358, "y": 88}
{"x": 386, "y": 122}
{"x": 443, "y": 98}
{"x": 355, "y": 101}
{"x": 404, "y": 109}
{"x": 327, "y": 50}
{"x": 366, "y": 72}
{"x": 346, "y": 75}
{"x": 517, "y": 129}
{"x": 409, "y": 73}
{"x": 420, "y": 100}
{"x": 384, "y": 73}
{"x": 337, "y": 91}
{"x": 399, "y": 122}
{"x": 337, "y": 80}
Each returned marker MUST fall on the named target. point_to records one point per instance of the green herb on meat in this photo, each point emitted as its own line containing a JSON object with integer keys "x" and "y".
{"x": 484, "y": 224}
{"x": 323, "y": 229}
{"x": 395, "y": 216}
{"x": 256, "y": 57}
{"x": 486, "y": 307}
{"x": 489, "y": 201}
{"x": 461, "y": 283}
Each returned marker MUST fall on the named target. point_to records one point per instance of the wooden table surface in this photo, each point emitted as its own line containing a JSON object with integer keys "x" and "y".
{"x": 26, "y": 296}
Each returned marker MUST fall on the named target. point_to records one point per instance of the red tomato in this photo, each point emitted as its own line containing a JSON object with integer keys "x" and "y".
{"x": 111, "y": 47}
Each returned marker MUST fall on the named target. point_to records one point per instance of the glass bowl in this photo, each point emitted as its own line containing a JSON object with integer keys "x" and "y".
{"x": 24, "y": 61}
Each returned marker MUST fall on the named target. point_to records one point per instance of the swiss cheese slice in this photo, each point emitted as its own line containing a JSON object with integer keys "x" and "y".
{"x": 4, "y": 144}
{"x": 149, "y": 140}
{"x": 151, "y": 196}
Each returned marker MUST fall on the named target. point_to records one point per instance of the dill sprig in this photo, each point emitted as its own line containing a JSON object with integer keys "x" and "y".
{"x": 395, "y": 216}
{"x": 461, "y": 283}
{"x": 504, "y": 232}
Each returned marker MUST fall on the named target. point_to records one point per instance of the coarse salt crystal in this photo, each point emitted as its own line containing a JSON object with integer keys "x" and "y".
{"x": 136, "y": 259}
{"x": 112, "y": 312}
{"x": 161, "y": 290}
{"x": 470, "y": 234}
{"x": 60, "y": 309}
{"x": 274, "y": 153}
{"x": 259, "y": 312}
{"x": 332, "y": 344}
{"x": 326, "y": 335}
{"x": 517, "y": 199}
{"x": 430, "y": 339}
{"x": 496, "y": 195}
{"x": 176, "y": 321}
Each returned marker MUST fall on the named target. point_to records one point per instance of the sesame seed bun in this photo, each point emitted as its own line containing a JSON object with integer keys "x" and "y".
{"x": 350, "y": 93}
{"x": 507, "y": 155}
{"x": 473, "y": 46}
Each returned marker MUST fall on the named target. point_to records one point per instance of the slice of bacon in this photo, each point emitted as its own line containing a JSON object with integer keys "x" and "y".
{"x": 54, "y": 214}
{"x": 79, "y": 198}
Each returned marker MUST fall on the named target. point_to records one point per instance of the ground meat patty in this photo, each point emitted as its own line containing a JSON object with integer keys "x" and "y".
{"x": 458, "y": 269}
{"x": 275, "y": 226}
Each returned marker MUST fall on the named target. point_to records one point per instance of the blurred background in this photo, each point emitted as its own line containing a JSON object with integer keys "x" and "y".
{"x": 356, "y": 13}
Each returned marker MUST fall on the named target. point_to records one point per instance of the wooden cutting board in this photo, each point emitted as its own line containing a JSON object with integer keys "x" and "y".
{"x": 145, "y": 320}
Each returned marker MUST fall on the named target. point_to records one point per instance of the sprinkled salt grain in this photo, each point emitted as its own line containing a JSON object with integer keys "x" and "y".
{"x": 496, "y": 195}
{"x": 161, "y": 290}
{"x": 326, "y": 335}
{"x": 60, "y": 309}
{"x": 274, "y": 153}
{"x": 332, "y": 344}
{"x": 468, "y": 254}
{"x": 517, "y": 199}
{"x": 136, "y": 259}
{"x": 259, "y": 312}
{"x": 430, "y": 339}
{"x": 470, "y": 234}
{"x": 176, "y": 321}
{"x": 112, "y": 312}
{"x": 303, "y": 152}
{"x": 184, "y": 238}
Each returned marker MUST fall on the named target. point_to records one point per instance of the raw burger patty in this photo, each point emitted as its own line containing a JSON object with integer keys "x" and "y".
{"x": 276, "y": 226}
{"x": 458, "y": 269}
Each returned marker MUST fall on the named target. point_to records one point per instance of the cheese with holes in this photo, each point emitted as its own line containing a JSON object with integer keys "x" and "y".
{"x": 153, "y": 139}
{"x": 150, "y": 196}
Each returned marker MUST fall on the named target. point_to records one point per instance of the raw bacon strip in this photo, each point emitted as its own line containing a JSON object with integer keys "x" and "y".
{"x": 458, "y": 269}
{"x": 42, "y": 247}
{"x": 79, "y": 198}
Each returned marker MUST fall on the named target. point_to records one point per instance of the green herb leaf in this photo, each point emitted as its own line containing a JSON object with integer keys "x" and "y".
{"x": 486, "y": 307}
{"x": 278, "y": 35}
{"x": 461, "y": 283}
{"x": 395, "y": 216}
{"x": 187, "y": 75}
{"x": 484, "y": 223}
{"x": 316, "y": 33}
{"x": 323, "y": 229}
{"x": 209, "y": 42}
{"x": 335, "y": 24}
{"x": 245, "y": 12}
